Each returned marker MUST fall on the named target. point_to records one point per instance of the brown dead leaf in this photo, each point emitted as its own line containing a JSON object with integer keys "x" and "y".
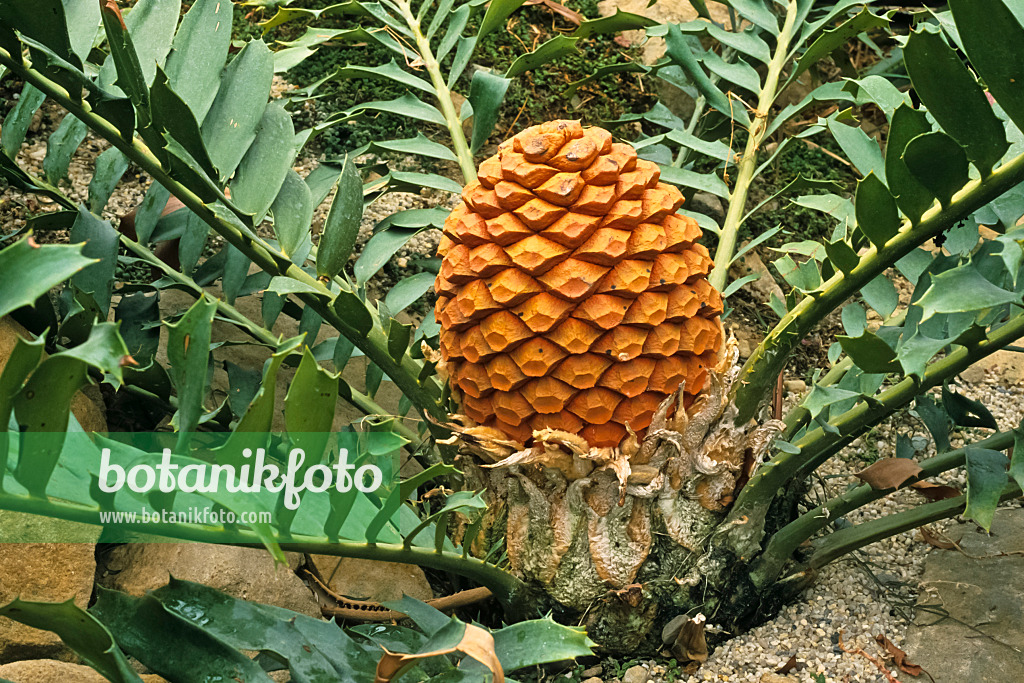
{"x": 874, "y": 660}
{"x": 476, "y": 643}
{"x": 934, "y": 492}
{"x": 689, "y": 644}
{"x": 790, "y": 665}
{"x": 889, "y": 473}
{"x": 934, "y": 540}
{"x": 569, "y": 15}
{"x": 899, "y": 657}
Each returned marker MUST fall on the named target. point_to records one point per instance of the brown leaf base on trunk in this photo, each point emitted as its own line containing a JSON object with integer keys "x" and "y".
{"x": 620, "y": 538}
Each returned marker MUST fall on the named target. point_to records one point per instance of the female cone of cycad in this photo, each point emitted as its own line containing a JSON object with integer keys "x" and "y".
{"x": 571, "y": 295}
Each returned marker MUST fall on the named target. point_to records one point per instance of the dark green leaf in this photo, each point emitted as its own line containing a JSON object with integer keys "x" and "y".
{"x": 842, "y": 256}
{"x": 938, "y": 163}
{"x": 28, "y": 271}
{"x": 1017, "y": 459}
{"x": 321, "y": 181}
{"x": 915, "y": 353}
{"x": 293, "y": 214}
{"x": 406, "y": 105}
{"x": 613, "y": 23}
{"x": 110, "y": 166}
{"x": 342, "y": 224}
{"x": 497, "y": 12}
{"x": 967, "y": 412}
{"x": 263, "y": 168}
{"x": 986, "y": 477}
{"x": 43, "y": 21}
{"x": 403, "y": 181}
{"x": 408, "y": 291}
{"x": 758, "y": 13}
{"x": 991, "y": 33}
{"x": 486, "y": 93}
{"x": 935, "y": 420}
{"x": 124, "y": 65}
{"x": 420, "y": 145}
{"x": 236, "y": 268}
{"x": 738, "y": 72}
{"x": 80, "y": 631}
{"x": 315, "y": 650}
{"x": 836, "y": 37}
{"x": 869, "y": 352}
{"x": 188, "y": 352}
{"x": 456, "y": 26}
{"x": 171, "y": 645}
{"x": 17, "y": 121}
{"x": 309, "y": 404}
{"x": 101, "y": 243}
{"x": 954, "y": 98}
{"x": 198, "y": 53}
{"x": 881, "y": 295}
{"x": 353, "y": 311}
{"x": 877, "y": 215}
{"x": 172, "y": 115}
{"x": 150, "y": 210}
{"x": 912, "y": 197}
{"x": 61, "y": 146}
{"x": 378, "y": 251}
{"x": 702, "y": 182}
{"x": 680, "y": 53}
{"x": 399, "y": 335}
{"x": 139, "y": 316}
{"x": 553, "y": 49}
{"x": 862, "y": 150}
{"x": 390, "y": 71}
{"x": 151, "y": 25}
{"x": 961, "y": 290}
{"x": 230, "y": 125}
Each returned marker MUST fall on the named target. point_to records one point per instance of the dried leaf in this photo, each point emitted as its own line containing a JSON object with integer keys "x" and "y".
{"x": 899, "y": 657}
{"x": 689, "y": 644}
{"x": 934, "y": 492}
{"x": 476, "y": 643}
{"x": 890, "y": 473}
{"x": 933, "y": 539}
{"x": 569, "y": 15}
{"x": 790, "y": 665}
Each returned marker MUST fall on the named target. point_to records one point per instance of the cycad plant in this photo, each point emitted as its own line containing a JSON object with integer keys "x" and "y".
{"x": 617, "y": 528}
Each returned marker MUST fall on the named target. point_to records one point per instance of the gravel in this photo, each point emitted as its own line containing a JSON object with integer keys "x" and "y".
{"x": 861, "y": 596}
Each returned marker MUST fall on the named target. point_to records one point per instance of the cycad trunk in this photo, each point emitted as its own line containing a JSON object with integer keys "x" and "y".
{"x": 623, "y": 539}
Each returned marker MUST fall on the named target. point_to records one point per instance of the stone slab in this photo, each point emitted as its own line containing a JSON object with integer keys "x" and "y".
{"x": 983, "y": 589}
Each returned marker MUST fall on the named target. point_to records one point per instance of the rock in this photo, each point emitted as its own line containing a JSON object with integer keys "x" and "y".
{"x": 776, "y": 678}
{"x": 636, "y": 674}
{"x": 592, "y": 671}
{"x": 1007, "y": 365}
{"x": 707, "y": 204}
{"x": 86, "y": 407}
{"x": 746, "y": 340}
{"x": 764, "y": 286}
{"x": 662, "y": 11}
{"x": 52, "y": 671}
{"x": 593, "y": 679}
{"x": 979, "y": 588}
{"x": 796, "y": 386}
{"x": 46, "y": 572}
{"x": 21, "y": 527}
{"x": 370, "y": 580}
{"x": 246, "y": 573}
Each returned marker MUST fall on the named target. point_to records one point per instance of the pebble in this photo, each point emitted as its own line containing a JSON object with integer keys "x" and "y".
{"x": 636, "y": 674}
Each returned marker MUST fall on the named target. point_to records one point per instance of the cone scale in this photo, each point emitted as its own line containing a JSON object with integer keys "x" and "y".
{"x": 571, "y": 295}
